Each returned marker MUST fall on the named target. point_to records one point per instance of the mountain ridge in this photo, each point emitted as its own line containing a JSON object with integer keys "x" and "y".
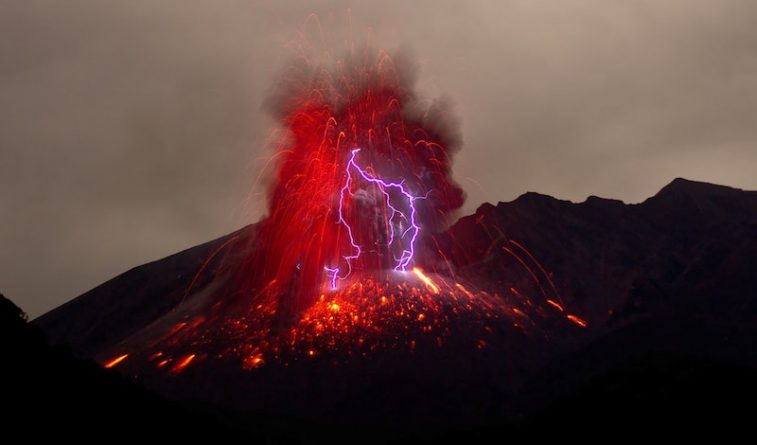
{"x": 529, "y": 210}
{"x": 669, "y": 275}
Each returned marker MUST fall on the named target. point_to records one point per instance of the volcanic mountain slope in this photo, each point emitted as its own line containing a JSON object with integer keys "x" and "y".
{"x": 522, "y": 293}
{"x": 77, "y": 400}
{"x": 689, "y": 249}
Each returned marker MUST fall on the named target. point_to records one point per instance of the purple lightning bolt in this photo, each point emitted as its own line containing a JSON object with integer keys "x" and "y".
{"x": 407, "y": 254}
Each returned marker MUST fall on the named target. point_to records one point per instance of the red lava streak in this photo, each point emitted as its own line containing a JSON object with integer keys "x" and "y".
{"x": 578, "y": 321}
{"x": 115, "y": 361}
{"x": 182, "y": 364}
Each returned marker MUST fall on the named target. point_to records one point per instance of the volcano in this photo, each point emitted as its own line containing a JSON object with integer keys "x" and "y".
{"x": 533, "y": 296}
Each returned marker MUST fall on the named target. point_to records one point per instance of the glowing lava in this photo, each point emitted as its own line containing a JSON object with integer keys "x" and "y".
{"x": 111, "y": 363}
{"x": 427, "y": 281}
{"x": 182, "y": 364}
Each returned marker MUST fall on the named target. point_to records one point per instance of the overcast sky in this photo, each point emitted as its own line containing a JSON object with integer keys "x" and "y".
{"x": 130, "y": 130}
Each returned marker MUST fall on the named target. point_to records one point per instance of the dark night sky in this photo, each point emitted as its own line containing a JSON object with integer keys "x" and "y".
{"x": 131, "y": 130}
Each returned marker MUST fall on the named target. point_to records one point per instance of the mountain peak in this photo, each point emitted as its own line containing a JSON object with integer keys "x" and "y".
{"x": 695, "y": 188}
{"x": 702, "y": 199}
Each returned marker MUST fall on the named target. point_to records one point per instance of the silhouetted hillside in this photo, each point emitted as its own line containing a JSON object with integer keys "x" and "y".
{"x": 47, "y": 388}
{"x": 47, "y": 391}
{"x": 666, "y": 391}
{"x": 665, "y": 290}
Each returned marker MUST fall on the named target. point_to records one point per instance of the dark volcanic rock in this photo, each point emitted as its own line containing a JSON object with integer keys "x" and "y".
{"x": 673, "y": 273}
{"x": 689, "y": 249}
{"x": 125, "y": 304}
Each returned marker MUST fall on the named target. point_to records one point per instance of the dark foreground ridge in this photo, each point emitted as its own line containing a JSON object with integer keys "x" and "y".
{"x": 46, "y": 387}
{"x": 47, "y": 391}
{"x": 666, "y": 286}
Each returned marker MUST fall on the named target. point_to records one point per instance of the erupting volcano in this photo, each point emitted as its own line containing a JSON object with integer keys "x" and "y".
{"x": 358, "y": 305}
{"x": 349, "y": 260}
{"x": 356, "y": 277}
